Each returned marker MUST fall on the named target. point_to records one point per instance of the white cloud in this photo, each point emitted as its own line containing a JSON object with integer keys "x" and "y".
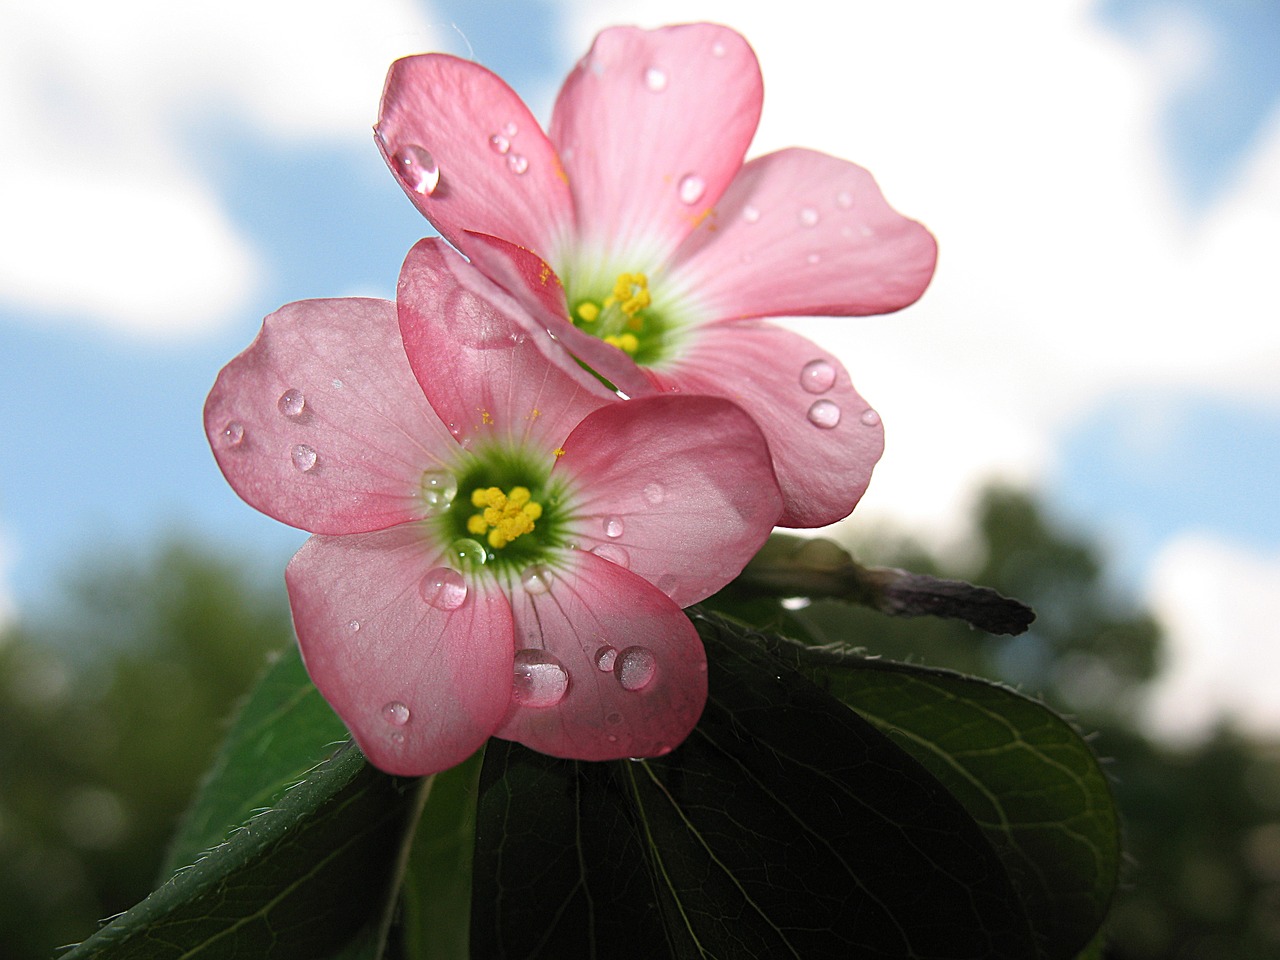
{"x": 105, "y": 216}
{"x": 1219, "y": 604}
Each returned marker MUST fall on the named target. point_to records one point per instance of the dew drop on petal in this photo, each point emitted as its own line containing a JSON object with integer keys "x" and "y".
{"x": 444, "y": 588}
{"x": 812, "y": 258}
{"x": 655, "y": 79}
{"x": 613, "y": 527}
{"x": 653, "y": 493}
{"x": 397, "y": 737}
{"x": 717, "y": 49}
{"x": 613, "y": 553}
{"x": 536, "y": 579}
{"x": 817, "y": 376}
{"x": 418, "y": 168}
{"x": 605, "y": 658}
{"x": 303, "y": 457}
{"x": 691, "y": 188}
{"x": 469, "y": 552}
{"x": 353, "y": 626}
{"x": 808, "y": 216}
{"x": 635, "y": 668}
{"x": 844, "y": 200}
{"x": 824, "y": 414}
{"x": 751, "y": 214}
{"x": 517, "y": 163}
{"x": 540, "y": 679}
{"x": 233, "y": 434}
{"x": 439, "y": 487}
{"x": 499, "y": 143}
{"x": 509, "y": 129}
{"x": 396, "y": 712}
{"x": 292, "y": 403}
{"x": 870, "y": 418}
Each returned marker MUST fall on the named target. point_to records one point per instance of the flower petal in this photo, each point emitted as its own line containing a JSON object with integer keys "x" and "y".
{"x": 420, "y": 686}
{"x": 802, "y": 233}
{"x": 677, "y": 489}
{"x": 490, "y": 371}
{"x": 634, "y": 665}
{"x": 824, "y": 438}
{"x": 496, "y": 172}
{"x": 651, "y": 126}
{"x": 320, "y": 422}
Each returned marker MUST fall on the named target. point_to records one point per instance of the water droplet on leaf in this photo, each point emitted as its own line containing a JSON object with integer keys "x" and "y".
{"x": 444, "y": 588}
{"x": 418, "y": 168}
{"x": 303, "y": 457}
{"x": 824, "y": 414}
{"x": 635, "y": 668}
{"x": 691, "y": 188}
{"x": 292, "y": 403}
{"x": 540, "y": 679}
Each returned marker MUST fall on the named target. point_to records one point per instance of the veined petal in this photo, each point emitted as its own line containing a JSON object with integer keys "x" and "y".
{"x": 488, "y": 369}
{"x": 417, "y": 663}
{"x": 608, "y": 666}
{"x": 677, "y": 489}
{"x": 823, "y": 436}
{"x": 495, "y": 170}
{"x": 651, "y": 126}
{"x": 320, "y": 422}
{"x": 802, "y": 233}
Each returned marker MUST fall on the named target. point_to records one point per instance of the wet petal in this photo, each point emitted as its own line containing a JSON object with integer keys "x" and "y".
{"x": 417, "y": 664}
{"x": 495, "y": 170}
{"x": 608, "y": 666}
{"x": 802, "y": 233}
{"x": 490, "y": 371}
{"x": 824, "y": 438}
{"x": 320, "y": 422}
{"x": 678, "y": 489}
{"x": 651, "y": 126}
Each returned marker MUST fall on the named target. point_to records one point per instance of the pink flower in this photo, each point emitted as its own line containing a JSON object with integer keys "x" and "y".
{"x": 668, "y": 248}
{"x": 501, "y": 548}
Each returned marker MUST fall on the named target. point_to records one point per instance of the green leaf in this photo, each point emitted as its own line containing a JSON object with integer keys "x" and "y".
{"x": 785, "y": 826}
{"x": 1022, "y": 772}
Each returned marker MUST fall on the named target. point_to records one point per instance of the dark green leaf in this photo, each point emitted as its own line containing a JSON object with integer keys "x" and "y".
{"x": 785, "y": 826}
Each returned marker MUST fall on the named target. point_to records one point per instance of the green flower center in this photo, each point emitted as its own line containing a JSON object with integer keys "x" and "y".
{"x": 624, "y": 317}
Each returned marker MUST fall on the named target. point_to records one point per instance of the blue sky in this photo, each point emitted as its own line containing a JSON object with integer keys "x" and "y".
{"x": 1113, "y": 346}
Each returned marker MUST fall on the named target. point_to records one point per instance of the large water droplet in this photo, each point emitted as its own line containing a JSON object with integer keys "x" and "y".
{"x": 517, "y": 163}
{"x": 509, "y": 129}
{"x": 635, "y": 668}
{"x": 292, "y": 403}
{"x": 444, "y": 588}
{"x": 536, "y": 579}
{"x": 824, "y": 414}
{"x": 817, "y": 376}
{"x": 751, "y": 214}
{"x": 418, "y": 168}
{"x": 396, "y": 712}
{"x": 653, "y": 493}
{"x": 439, "y": 487}
{"x": 869, "y": 417}
{"x": 655, "y": 79}
{"x": 691, "y": 188}
{"x": 303, "y": 457}
{"x": 233, "y": 434}
{"x": 469, "y": 552}
{"x": 499, "y": 143}
{"x": 605, "y": 658}
{"x": 808, "y": 216}
{"x": 613, "y": 527}
{"x": 613, "y": 553}
{"x": 540, "y": 679}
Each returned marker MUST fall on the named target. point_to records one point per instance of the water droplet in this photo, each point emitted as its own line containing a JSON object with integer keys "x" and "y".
{"x": 808, "y": 216}
{"x": 655, "y": 79}
{"x": 611, "y": 738}
{"x": 613, "y": 553}
{"x": 536, "y": 579}
{"x": 540, "y": 679}
{"x": 509, "y": 129}
{"x": 844, "y": 200}
{"x": 750, "y": 214}
{"x": 824, "y": 414}
{"x": 443, "y": 588}
{"x": 605, "y": 658}
{"x": 635, "y": 668}
{"x": 303, "y": 457}
{"x": 233, "y": 434}
{"x": 499, "y": 143}
{"x": 817, "y": 376}
{"x": 691, "y": 188}
{"x": 292, "y": 403}
{"x": 337, "y": 384}
{"x": 353, "y": 626}
{"x": 812, "y": 258}
{"x": 717, "y": 49}
{"x": 396, "y": 712}
{"x": 397, "y": 737}
{"x": 869, "y": 417}
{"x": 517, "y": 163}
{"x": 653, "y": 494}
{"x": 613, "y": 527}
{"x": 439, "y": 487}
{"x": 418, "y": 168}
{"x": 469, "y": 553}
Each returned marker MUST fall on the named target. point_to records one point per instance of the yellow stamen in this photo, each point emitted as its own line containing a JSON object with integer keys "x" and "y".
{"x": 588, "y": 311}
{"x": 503, "y": 516}
{"x": 627, "y": 342}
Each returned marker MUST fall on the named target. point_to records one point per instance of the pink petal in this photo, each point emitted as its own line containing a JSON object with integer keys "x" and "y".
{"x": 320, "y": 422}
{"x": 489, "y": 370}
{"x": 824, "y": 438}
{"x": 497, "y": 172}
{"x": 678, "y": 489}
{"x": 651, "y": 126}
{"x": 420, "y": 686}
{"x": 618, "y": 670}
{"x": 799, "y": 232}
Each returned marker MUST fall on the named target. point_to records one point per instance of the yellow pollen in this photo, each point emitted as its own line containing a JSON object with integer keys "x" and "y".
{"x": 588, "y": 311}
{"x": 559, "y": 452}
{"x": 486, "y": 417}
{"x": 630, "y": 293}
{"x": 627, "y": 342}
{"x": 503, "y": 516}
